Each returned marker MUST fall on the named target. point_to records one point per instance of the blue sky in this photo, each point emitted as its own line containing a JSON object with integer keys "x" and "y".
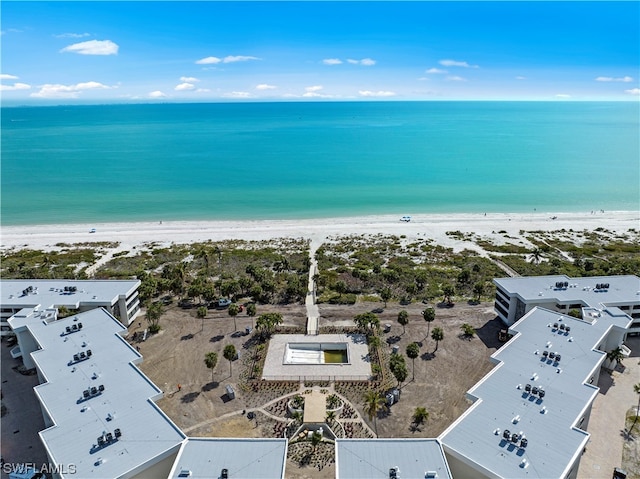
{"x": 68, "y": 52}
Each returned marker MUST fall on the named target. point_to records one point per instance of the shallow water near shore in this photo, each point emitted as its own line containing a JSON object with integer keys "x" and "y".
{"x": 151, "y": 162}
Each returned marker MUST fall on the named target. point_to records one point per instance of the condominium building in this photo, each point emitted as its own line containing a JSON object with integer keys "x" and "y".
{"x": 119, "y": 297}
{"x": 517, "y": 296}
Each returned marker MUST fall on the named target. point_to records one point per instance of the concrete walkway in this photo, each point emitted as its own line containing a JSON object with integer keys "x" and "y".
{"x": 313, "y": 313}
{"x": 607, "y": 422}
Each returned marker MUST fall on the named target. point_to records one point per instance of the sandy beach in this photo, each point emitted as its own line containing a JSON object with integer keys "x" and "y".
{"x": 424, "y": 226}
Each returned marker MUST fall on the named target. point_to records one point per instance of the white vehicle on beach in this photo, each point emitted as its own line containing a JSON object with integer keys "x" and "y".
{"x": 406, "y": 218}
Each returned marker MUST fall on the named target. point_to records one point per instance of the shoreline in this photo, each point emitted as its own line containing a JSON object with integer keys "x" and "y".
{"x": 432, "y": 226}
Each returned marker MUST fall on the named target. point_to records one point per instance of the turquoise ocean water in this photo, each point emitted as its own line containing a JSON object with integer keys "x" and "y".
{"x": 150, "y": 162}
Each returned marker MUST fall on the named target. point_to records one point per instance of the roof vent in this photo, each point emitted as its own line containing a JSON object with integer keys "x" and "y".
{"x": 430, "y": 474}
{"x": 524, "y": 464}
{"x": 184, "y": 473}
{"x": 393, "y": 472}
{"x": 516, "y": 419}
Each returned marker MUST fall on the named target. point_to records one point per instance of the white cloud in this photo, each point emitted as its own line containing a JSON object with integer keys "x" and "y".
{"x": 519, "y": 77}
{"x": 633, "y": 91}
{"x": 332, "y": 61}
{"x": 625, "y": 79}
{"x": 563, "y": 95}
{"x": 157, "y": 94}
{"x": 202, "y": 90}
{"x": 238, "y": 94}
{"x": 10, "y": 30}
{"x": 50, "y": 90}
{"x": 313, "y": 92}
{"x": 184, "y": 87}
{"x": 369, "y": 93}
{"x": 6, "y": 76}
{"x": 238, "y": 58}
{"x": 264, "y": 86}
{"x": 72, "y": 35}
{"x": 208, "y": 61}
{"x": 456, "y": 78}
{"x": 367, "y": 62}
{"x": 15, "y": 86}
{"x": 93, "y": 47}
{"x": 227, "y": 59}
{"x": 189, "y": 80}
{"x": 436, "y": 71}
{"x": 455, "y": 63}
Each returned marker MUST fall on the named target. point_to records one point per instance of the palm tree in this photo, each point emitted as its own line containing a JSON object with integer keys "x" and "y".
{"x": 413, "y": 351}
{"x": 437, "y": 335}
{"x": 448, "y": 291}
{"x": 403, "y": 319}
{"x": 210, "y": 360}
{"x": 636, "y": 388}
{"x": 316, "y": 438}
{"x": 468, "y": 330}
{"x": 419, "y": 416}
{"x": 385, "y": 295}
{"x": 233, "y": 311}
{"x": 373, "y": 404}
{"x": 536, "y": 255}
{"x": 429, "y": 315}
{"x": 229, "y": 354}
{"x": 615, "y": 355}
{"x": 478, "y": 290}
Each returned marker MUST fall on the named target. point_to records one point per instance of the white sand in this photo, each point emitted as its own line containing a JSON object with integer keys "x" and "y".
{"x": 421, "y": 226}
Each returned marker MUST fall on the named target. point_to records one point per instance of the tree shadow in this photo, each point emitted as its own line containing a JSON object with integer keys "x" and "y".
{"x": 473, "y": 302}
{"x": 446, "y": 305}
{"x": 210, "y": 386}
{"x": 605, "y": 382}
{"x": 187, "y": 337}
{"x": 428, "y": 356}
{"x": 190, "y": 397}
{"x": 217, "y": 338}
{"x": 392, "y": 339}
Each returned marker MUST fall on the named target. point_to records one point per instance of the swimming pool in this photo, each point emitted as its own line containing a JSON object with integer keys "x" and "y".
{"x": 316, "y": 353}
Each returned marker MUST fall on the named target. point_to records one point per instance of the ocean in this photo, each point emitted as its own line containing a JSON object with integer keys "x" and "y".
{"x": 217, "y": 161}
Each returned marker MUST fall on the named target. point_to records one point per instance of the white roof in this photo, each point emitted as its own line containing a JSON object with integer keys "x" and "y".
{"x": 372, "y": 458}
{"x": 621, "y": 290}
{"x": 549, "y": 424}
{"x": 127, "y": 402}
{"x": 51, "y": 293}
{"x": 243, "y": 458}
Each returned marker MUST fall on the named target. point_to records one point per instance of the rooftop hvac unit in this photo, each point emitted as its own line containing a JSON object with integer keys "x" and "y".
{"x": 85, "y": 393}
{"x": 527, "y": 387}
{"x": 555, "y": 325}
{"x": 558, "y": 357}
{"x": 74, "y": 327}
{"x": 541, "y": 393}
{"x": 534, "y": 390}
{"x": 567, "y": 329}
{"x": 506, "y": 434}
{"x": 524, "y": 442}
{"x": 76, "y": 358}
{"x": 430, "y": 474}
{"x": 82, "y": 355}
{"x": 562, "y": 327}
{"x": 393, "y": 472}
{"x": 100, "y": 441}
{"x": 117, "y": 433}
{"x": 94, "y": 390}
{"x": 552, "y": 355}
{"x": 89, "y": 353}
{"x": 224, "y": 474}
{"x": 79, "y": 325}
{"x": 67, "y": 329}
{"x": 109, "y": 437}
{"x": 514, "y": 438}
{"x": 184, "y": 473}
{"x": 101, "y": 388}
{"x": 545, "y": 354}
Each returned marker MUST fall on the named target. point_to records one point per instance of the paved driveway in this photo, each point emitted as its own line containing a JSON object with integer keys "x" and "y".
{"x": 606, "y": 425}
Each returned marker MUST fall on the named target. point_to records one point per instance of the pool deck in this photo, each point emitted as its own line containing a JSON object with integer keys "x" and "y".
{"x": 358, "y": 368}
